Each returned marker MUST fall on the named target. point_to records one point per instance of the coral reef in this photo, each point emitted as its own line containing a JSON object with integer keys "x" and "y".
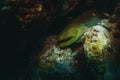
{"x": 96, "y": 46}
{"x": 89, "y": 45}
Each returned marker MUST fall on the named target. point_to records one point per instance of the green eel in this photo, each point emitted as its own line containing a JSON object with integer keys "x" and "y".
{"x": 73, "y": 32}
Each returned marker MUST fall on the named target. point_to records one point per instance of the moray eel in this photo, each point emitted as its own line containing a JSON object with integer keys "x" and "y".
{"x": 73, "y": 32}
{"x": 71, "y": 35}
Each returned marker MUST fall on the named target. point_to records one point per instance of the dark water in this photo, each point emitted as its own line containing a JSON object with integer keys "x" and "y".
{"x": 20, "y": 47}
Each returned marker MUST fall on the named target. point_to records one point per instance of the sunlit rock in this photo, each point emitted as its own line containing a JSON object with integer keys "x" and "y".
{"x": 57, "y": 64}
{"x": 97, "y": 43}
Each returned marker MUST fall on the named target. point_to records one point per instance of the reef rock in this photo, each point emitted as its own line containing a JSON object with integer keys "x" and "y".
{"x": 66, "y": 63}
{"x": 97, "y": 46}
{"x": 95, "y": 40}
{"x": 56, "y": 63}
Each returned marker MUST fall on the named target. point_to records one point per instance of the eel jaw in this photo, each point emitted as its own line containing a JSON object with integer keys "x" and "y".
{"x": 67, "y": 42}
